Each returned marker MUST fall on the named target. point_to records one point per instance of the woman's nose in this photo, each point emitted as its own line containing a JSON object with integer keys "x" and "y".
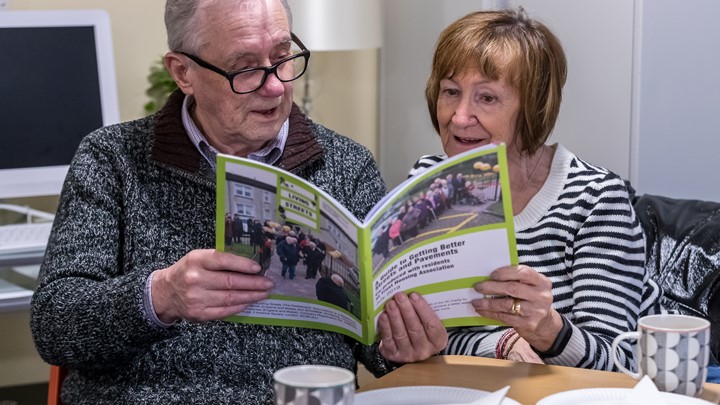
{"x": 464, "y": 115}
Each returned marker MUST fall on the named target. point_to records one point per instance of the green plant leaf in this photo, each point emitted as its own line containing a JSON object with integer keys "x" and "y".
{"x": 161, "y": 85}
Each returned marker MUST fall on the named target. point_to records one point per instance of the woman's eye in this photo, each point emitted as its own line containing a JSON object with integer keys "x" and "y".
{"x": 486, "y": 98}
{"x": 450, "y": 92}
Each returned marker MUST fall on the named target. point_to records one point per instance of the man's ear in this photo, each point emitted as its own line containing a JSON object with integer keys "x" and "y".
{"x": 176, "y": 65}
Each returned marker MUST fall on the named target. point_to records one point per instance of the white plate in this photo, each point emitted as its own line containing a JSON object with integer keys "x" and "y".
{"x": 610, "y": 396}
{"x": 422, "y": 395}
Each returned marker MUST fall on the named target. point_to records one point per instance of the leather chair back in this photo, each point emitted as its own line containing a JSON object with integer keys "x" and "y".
{"x": 683, "y": 255}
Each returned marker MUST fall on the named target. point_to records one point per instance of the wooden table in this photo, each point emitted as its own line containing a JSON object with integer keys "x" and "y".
{"x": 528, "y": 382}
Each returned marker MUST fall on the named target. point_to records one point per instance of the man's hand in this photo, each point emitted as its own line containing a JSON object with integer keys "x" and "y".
{"x": 410, "y": 330}
{"x": 206, "y": 285}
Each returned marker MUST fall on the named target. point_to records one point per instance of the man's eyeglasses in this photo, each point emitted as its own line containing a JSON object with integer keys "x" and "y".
{"x": 249, "y": 80}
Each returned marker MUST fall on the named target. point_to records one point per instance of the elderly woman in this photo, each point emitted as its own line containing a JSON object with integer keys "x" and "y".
{"x": 498, "y": 77}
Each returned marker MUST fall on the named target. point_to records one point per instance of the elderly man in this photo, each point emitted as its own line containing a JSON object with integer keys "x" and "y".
{"x": 330, "y": 289}
{"x": 131, "y": 295}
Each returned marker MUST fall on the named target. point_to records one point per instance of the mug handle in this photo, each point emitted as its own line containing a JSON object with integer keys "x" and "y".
{"x": 615, "y": 343}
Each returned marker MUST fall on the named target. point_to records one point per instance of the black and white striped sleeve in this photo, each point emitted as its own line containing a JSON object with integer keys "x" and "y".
{"x": 424, "y": 162}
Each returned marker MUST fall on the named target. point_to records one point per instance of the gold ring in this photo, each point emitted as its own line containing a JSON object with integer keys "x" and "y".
{"x": 515, "y": 308}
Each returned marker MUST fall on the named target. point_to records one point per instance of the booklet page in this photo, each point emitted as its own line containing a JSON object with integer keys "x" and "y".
{"x": 304, "y": 242}
{"x": 444, "y": 231}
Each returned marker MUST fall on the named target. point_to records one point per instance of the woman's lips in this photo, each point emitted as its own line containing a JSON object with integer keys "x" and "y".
{"x": 466, "y": 141}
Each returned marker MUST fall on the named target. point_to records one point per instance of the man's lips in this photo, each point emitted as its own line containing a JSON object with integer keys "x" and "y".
{"x": 265, "y": 111}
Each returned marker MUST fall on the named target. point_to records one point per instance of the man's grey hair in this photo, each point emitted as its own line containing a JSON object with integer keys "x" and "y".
{"x": 182, "y": 27}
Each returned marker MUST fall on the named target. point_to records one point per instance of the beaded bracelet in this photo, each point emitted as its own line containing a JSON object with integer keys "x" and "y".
{"x": 500, "y": 349}
{"x": 509, "y": 345}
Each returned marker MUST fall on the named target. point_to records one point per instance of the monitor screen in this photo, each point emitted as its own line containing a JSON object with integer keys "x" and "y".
{"x": 57, "y": 84}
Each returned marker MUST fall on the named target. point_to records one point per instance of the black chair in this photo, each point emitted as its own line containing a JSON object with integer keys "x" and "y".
{"x": 683, "y": 255}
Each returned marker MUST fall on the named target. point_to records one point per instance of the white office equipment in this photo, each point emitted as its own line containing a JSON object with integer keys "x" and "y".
{"x": 16, "y": 286}
{"x": 13, "y": 297}
{"x": 22, "y": 247}
{"x": 27, "y": 238}
{"x": 24, "y": 238}
{"x": 58, "y": 84}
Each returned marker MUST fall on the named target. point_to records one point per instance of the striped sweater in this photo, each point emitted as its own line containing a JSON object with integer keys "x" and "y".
{"x": 580, "y": 231}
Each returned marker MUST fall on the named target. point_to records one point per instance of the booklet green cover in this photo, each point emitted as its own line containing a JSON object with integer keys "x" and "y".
{"x": 438, "y": 233}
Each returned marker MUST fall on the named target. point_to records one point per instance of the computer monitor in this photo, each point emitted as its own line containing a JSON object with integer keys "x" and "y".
{"x": 57, "y": 84}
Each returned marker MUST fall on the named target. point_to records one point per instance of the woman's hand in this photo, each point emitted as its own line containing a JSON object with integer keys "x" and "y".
{"x": 523, "y": 300}
{"x": 410, "y": 330}
{"x": 521, "y": 351}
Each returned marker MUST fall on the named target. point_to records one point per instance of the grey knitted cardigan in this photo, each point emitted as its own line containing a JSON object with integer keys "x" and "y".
{"x": 138, "y": 196}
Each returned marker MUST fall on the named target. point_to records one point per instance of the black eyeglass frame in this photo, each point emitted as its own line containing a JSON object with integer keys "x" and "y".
{"x": 267, "y": 70}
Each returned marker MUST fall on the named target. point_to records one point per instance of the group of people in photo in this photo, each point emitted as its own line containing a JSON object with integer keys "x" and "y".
{"x": 244, "y": 230}
{"x": 422, "y": 208}
{"x": 259, "y": 240}
{"x": 292, "y": 246}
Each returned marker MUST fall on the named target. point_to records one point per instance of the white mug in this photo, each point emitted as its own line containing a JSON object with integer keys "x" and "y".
{"x": 673, "y": 350}
{"x": 314, "y": 385}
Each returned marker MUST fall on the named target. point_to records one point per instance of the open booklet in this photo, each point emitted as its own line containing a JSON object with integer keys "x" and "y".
{"x": 438, "y": 233}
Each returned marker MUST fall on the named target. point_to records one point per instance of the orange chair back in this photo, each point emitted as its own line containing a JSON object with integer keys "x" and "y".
{"x": 57, "y": 376}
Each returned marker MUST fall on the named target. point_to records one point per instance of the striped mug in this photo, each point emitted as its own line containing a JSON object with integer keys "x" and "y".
{"x": 673, "y": 350}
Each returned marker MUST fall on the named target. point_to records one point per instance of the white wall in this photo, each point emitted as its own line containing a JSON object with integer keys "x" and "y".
{"x": 344, "y": 89}
{"x": 677, "y": 127}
